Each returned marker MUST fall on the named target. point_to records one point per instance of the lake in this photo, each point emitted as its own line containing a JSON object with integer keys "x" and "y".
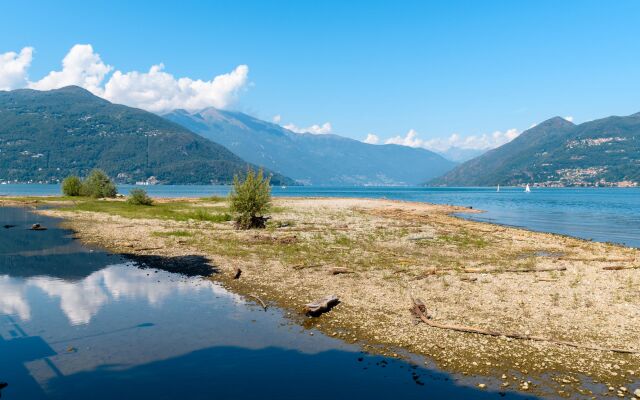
{"x": 77, "y": 323}
{"x": 601, "y": 214}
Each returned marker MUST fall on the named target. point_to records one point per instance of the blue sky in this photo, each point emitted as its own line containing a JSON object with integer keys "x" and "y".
{"x": 384, "y": 67}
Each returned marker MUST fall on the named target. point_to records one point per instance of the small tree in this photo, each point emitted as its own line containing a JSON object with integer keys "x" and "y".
{"x": 71, "y": 186}
{"x": 139, "y": 197}
{"x": 250, "y": 200}
{"x": 97, "y": 185}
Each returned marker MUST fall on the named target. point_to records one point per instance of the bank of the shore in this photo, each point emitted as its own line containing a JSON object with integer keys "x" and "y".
{"x": 468, "y": 273}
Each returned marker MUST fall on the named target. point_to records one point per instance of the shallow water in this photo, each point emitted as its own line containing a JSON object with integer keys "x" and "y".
{"x": 601, "y": 214}
{"x": 79, "y": 323}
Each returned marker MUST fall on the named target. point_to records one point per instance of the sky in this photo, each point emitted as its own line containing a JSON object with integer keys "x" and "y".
{"x": 468, "y": 74}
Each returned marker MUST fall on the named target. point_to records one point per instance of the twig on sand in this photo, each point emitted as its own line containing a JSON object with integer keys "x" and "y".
{"x": 419, "y": 310}
{"x": 620, "y": 267}
{"x": 149, "y": 248}
{"x": 259, "y": 300}
{"x": 546, "y": 280}
{"x": 339, "y": 270}
{"x": 514, "y": 270}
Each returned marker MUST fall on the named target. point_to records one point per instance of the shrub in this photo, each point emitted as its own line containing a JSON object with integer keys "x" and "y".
{"x": 250, "y": 200}
{"x": 139, "y": 197}
{"x": 71, "y": 186}
{"x": 98, "y": 185}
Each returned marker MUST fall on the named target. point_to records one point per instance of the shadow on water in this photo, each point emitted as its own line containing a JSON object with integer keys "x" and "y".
{"x": 52, "y": 252}
{"x": 269, "y": 373}
{"x": 55, "y": 252}
{"x": 189, "y": 265}
{"x": 15, "y": 353}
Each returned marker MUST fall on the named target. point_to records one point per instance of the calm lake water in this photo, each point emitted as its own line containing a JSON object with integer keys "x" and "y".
{"x": 602, "y": 214}
{"x": 79, "y": 323}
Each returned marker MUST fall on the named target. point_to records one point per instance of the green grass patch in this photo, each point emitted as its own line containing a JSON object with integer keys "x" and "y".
{"x": 173, "y": 234}
{"x": 177, "y": 211}
{"x": 463, "y": 239}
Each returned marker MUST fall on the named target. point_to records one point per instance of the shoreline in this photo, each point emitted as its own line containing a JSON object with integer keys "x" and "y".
{"x": 397, "y": 250}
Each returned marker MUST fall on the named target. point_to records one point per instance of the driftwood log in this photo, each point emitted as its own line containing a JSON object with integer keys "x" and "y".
{"x": 515, "y": 270}
{"x": 419, "y": 309}
{"x": 237, "y": 273}
{"x": 339, "y": 270}
{"x": 262, "y": 303}
{"x": 321, "y": 306}
{"x": 620, "y": 267}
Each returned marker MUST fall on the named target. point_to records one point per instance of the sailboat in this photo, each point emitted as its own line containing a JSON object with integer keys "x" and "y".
{"x": 498, "y": 189}
{"x": 527, "y": 189}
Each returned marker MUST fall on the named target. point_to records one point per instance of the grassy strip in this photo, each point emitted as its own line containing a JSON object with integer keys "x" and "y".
{"x": 176, "y": 211}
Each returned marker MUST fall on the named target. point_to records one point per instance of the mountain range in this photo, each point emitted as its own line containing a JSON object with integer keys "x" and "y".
{"x": 48, "y": 135}
{"x": 313, "y": 159}
{"x": 556, "y": 152}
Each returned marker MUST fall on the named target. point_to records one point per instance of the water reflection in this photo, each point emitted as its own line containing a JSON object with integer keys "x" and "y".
{"x": 81, "y": 300}
{"x": 13, "y": 298}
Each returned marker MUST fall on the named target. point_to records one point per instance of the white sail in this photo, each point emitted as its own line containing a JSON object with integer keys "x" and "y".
{"x": 497, "y": 190}
{"x": 527, "y": 188}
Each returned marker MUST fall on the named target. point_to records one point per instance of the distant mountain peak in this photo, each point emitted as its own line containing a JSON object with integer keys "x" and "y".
{"x": 71, "y": 131}
{"x": 556, "y": 122}
{"x": 557, "y": 152}
{"x": 314, "y": 159}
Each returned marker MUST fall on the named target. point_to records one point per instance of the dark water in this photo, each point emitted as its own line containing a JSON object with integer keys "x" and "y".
{"x": 78, "y": 323}
{"x": 601, "y": 214}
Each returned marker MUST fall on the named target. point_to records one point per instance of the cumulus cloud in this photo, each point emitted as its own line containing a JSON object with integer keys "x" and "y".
{"x": 372, "y": 139}
{"x": 14, "y": 67}
{"x": 160, "y": 91}
{"x": 473, "y": 142}
{"x": 313, "y": 129}
{"x": 569, "y": 118}
{"x": 277, "y": 118}
{"x": 154, "y": 90}
{"x": 81, "y": 66}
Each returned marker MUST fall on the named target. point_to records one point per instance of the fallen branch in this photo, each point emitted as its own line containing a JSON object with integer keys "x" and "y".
{"x": 339, "y": 270}
{"x": 303, "y": 266}
{"x": 514, "y": 270}
{"x": 620, "y": 267}
{"x": 419, "y": 310}
{"x": 260, "y": 300}
{"x": 149, "y": 248}
{"x": 321, "y": 306}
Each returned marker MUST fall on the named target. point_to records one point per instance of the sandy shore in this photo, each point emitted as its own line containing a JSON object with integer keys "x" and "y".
{"x": 467, "y": 273}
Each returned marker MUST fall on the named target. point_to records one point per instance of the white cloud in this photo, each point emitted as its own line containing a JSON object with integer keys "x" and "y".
{"x": 160, "y": 91}
{"x": 154, "y": 90}
{"x": 475, "y": 142}
{"x": 277, "y": 118}
{"x": 569, "y": 118}
{"x": 372, "y": 139}
{"x": 13, "y": 68}
{"x": 81, "y": 67}
{"x": 313, "y": 129}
